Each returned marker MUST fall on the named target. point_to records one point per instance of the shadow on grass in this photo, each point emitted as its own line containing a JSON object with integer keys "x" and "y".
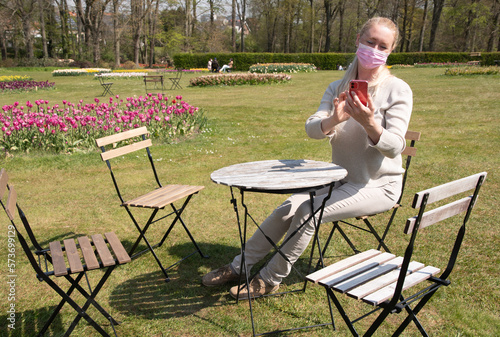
{"x": 149, "y": 297}
{"x": 30, "y": 322}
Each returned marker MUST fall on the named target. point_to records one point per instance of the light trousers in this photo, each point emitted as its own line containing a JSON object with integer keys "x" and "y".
{"x": 346, "y": 201}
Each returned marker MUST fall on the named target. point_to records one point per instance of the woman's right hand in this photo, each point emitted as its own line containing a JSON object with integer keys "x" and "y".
{"x": 338, "y": 116}
{"x": 339, "y": 113}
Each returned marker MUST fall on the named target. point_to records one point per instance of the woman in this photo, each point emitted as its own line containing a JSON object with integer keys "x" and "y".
{"x": 227, "y": 67}
{"x": 365, "y": 140}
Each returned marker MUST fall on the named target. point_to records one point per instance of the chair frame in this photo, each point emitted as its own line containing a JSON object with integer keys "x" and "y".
{"x": 175, "y": 80}
{"x": 106, "y": 86}
{"x": 335, "y": 277}
{"x": 154, "y": 79}
{"x": 50, "y": 257}
{"x": 410, "y": 152}
{"x": 156, "y": 200}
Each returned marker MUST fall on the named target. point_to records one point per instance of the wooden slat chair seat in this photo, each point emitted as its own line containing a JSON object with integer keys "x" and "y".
{"x": 68, "y": 259}
{"x": 121, "y": 144}
{"x": 105, "y": 256}
{"x": 163, "y": 196}
{"x": 379, "y": 278}
{"x": 410, "y": 151}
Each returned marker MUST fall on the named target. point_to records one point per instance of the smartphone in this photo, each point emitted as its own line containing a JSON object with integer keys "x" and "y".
{"x": 360, "y": 87}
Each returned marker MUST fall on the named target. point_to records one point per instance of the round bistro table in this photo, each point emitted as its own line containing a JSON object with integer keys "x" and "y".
{"x": 278, "y": 177}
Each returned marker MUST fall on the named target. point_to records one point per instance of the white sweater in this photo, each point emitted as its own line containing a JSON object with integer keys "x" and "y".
{"x": 369, "y": 164}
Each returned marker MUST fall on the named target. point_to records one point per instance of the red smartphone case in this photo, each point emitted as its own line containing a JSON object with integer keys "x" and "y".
{"x": 360, "y": 87}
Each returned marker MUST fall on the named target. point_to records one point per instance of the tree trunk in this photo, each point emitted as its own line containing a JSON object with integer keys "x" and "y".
{"x": 495, "y": 23}
{"x": 3, "y": 44}
{"x": 311, "y": 36}
{"x": 341, "y": 24}
{"x": 436, "y": 16}
{"x": 422, "y": 30}
{"x": 242, "y": 23}
{"x": 233, "y": 25}
{"x": 26, "y": 24}
{"x": 116, "y": 33}
{"x": 331, "y": 13}
{"x": 42, "y": 29}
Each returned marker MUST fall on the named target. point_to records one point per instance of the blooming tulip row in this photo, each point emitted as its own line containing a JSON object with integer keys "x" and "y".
{"x": 238, "y": 79}
{"x": 127, "y": 75}
{"x": 12, "y": 78}
{"x": 24, "y": 85}
{"x": 74, "y": 127}
{"x": 79, "y": 72}
{"x": 271, "y": 68}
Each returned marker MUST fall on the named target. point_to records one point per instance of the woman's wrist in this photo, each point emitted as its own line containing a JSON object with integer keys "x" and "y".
{"x": 327, "y": 125}
{"x": 374, "y": 132}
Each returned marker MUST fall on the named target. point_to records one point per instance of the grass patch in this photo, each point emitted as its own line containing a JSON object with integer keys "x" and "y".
{"x": 68, "y": 195}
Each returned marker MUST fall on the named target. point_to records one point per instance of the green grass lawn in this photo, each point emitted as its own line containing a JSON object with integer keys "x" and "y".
{"x": 69, "y": 195}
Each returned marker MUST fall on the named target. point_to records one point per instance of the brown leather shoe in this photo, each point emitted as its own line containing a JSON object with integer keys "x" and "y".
{"x": 220, "y": 276}
{"x": 257, "y": 288}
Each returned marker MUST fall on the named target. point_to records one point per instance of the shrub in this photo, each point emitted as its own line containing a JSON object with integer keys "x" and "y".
{"x": 238, "y": 79}
{"x": 81, "y": 64}
{"x": 129, "y": 65}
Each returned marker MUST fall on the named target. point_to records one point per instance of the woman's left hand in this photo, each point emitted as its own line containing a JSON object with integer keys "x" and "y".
{"x": 364, "y": 115}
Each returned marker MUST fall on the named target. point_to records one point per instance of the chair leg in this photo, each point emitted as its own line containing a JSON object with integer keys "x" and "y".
{"x": 344, "y": 235}
{"x": 61, "y": 304}
{"x": 375, "y": 234}
{"x": 178, "y": 213}
{"x": 341, "y": 311}
{"x": 82, "y": 311}
{"x": 412, "y": 315}
{"x": 142, "y": 235}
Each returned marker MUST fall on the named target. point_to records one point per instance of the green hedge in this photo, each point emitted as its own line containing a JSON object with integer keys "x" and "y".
{"x": 323, "y": 61}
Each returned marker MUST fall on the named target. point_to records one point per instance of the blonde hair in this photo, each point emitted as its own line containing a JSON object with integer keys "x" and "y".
{"x": 382, "y": 72}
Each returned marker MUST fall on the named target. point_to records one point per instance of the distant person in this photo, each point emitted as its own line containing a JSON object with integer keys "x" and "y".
{"x": 227, "y": 67}
{"x": 209, "y": 65}
{"x": 215, "y": 65}
{"x": 366, "y": 140}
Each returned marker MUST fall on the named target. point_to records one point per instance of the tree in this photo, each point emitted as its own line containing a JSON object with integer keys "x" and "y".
{"x": 494, "y": 23}
{"x": 331, "y": 11}
{"x": 436, "y": 16}
{"x": 23, "y": 10}
{"x": 422, "y": 29}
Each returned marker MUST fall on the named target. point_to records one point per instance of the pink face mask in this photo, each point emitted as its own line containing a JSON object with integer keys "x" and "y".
{"x": 370, "y": 58}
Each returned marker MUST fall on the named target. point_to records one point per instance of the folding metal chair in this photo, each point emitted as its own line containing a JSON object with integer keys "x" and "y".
{"x": 175, "y": 80}
{"x": 410, "y": 151}
{"x": 380, "y": 278}
{"x": 134, "y": 140}
{"x": 105, "y": 85}
{"x": 50, "y": 262}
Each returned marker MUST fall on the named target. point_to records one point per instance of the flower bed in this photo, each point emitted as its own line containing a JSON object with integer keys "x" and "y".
{"x": 472, "y": 70}
{"x": 24, "y": 85}
{"x": 122, "y": 75}
{"x": 238, "y": 79}
{"x": 266, "y": 68}
{"x": 79, "y": 72}
{"x": 12, "y": 78}
{"x": 74, "y": 127}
